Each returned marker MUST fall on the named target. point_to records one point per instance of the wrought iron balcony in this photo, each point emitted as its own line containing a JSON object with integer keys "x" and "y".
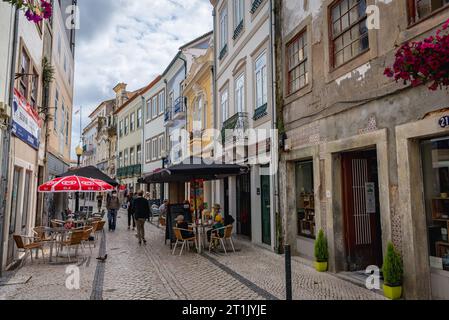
{"x": 255, "y": 5}
{"x": 129, "y": 171}
{"x": 260, "y": 112}
{"x": 238, "y": 30}
{"x": 168, "y": 118}
{"x": 238, "y": 122}
{"x": 179, "y": 109}
{"x": 223, "y": 52}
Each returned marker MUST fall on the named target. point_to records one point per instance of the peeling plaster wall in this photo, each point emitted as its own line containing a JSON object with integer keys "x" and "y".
{"x": 345, "y": 104}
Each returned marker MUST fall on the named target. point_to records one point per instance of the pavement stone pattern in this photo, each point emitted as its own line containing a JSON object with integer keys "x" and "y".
{"x": 151, "y": 272}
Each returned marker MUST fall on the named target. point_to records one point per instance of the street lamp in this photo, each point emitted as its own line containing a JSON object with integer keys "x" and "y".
{"x": 79, "y": 152}
{"x": 164, "y": 160}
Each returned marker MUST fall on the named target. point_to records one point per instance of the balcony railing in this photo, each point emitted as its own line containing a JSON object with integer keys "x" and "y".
{"x": 179, "y": 109}
{"x": 238, "y": 30}
{"x": 239, "y": 121}
{"x": 168, "y": 117}
{"x": 255, "y": 5}
{"x": 223, "y": 52}
{"x": 129, "y": 171}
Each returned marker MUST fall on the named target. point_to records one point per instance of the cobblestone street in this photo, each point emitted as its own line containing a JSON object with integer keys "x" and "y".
{"x": 150, "y": 272}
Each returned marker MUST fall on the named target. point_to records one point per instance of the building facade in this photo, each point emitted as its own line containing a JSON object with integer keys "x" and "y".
{"x": 243, "y": 86}
{"x": 364, "y": 156}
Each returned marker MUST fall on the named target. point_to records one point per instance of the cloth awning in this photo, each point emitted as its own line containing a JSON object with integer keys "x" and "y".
{"x": 194, "y": 169}
{"x": 90, "y": 172}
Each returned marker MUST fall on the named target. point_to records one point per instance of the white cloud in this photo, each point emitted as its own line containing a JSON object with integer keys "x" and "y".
{"x": 130, "y": 41}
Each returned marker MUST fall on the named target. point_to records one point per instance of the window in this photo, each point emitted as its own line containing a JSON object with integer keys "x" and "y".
{"x": 238, "y": 12}
{"x": 435, "y": 168}
{"x": 148, "y": 147}
{"x": 223, "y": 28}
{"x": 139, "y": 117}
{"x": 34, "y": 89}
{"x": 420, "y": 9}
{"x": 349, "y": 30}
{"x": 154, "y": 151}
{"x": 198, "y": 114}
{"x": 25, "y": 70}
{"x": 62, "y": 118}
{"x": 161, "y": 145}
{"x": 240, "y": 94}
{"x": 139, "y": 154}
{"x": 161, "y": 102}
{"x": 55, "y": 120}
{"x": 126, "y": 125}
{"x": 305, "y": 201}
{"x": 154, "y": 107}
{"x": 225, "y": 104}
{"x": 297, "y": 63}
{"x": 131, "y": 157}
{"x": 120, "y": 160}
{"x": 132, "y": 121}
{"x": 67, "y": 129}
{"x": 148, "y": 109}
{"x": 26, "y": 200}
{"x": 171, "y": 100}
{"x": 120, "y": 132}
{"x": 126, "y": 158}
{"x": 15, "y": 200}
{"x": 261, "y": 81}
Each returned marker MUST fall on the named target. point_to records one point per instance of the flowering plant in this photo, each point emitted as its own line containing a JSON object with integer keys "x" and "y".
{"x": 35, "y": 10}
{"x": 423, "y": 62}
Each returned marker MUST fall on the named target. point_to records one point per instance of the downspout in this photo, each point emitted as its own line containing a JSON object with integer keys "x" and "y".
{"x": 7, "y": 139}
{"x": 186, "y": 195}
{"x": 215, "y": 94}
{"x": 274, "y": 124}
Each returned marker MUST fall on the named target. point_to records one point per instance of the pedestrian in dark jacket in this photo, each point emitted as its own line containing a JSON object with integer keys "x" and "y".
{"x": 141, "y": 210}
{"x": 131, "y": 212}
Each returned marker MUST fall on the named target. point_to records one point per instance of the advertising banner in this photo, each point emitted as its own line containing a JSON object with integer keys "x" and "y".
{"x": 25, "y": 121}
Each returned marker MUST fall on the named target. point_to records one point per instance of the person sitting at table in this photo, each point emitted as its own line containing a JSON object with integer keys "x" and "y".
{"x": 182, "y": 224}
{"x": 70, "y": 224}
{"x": 217, "y": 228}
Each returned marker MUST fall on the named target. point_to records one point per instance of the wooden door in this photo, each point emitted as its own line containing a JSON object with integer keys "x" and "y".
{"x": 361, "y": 210}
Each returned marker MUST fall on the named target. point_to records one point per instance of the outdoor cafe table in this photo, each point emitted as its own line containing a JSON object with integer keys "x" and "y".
{"x": 201, "y": 234}
{"x": 54, "y": 234}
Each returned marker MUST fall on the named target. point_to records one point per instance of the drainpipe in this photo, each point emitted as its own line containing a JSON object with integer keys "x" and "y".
{"x": 215, "y": 94}
{"x": 275, "y": 175}
{"x": 7, "y": 139}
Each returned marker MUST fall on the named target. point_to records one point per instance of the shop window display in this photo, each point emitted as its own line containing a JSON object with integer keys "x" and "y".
{"x": 305, "y": 199}
{"x": 435, "y": 157}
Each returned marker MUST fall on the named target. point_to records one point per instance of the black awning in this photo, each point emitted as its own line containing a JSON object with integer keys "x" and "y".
{"x": 194, "y": 169}
{"x": 90, "y": 172}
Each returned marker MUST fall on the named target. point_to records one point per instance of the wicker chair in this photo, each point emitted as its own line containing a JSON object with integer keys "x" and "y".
{"x": 215, "y": 236}
{"x": 40, "y": 234}
{"x": 27, "y": 244}
{"x": 184, "y": 241}
{"x": 57, "y": 223}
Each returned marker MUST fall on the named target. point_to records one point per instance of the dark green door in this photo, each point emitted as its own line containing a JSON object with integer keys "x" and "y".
{"x": 266, "y": 206}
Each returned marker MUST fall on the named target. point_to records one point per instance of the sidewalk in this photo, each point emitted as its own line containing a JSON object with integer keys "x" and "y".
{"x": 150, "y": 272}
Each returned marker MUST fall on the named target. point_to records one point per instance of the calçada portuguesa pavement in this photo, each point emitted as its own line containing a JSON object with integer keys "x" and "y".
{"x": 151, "y": 272}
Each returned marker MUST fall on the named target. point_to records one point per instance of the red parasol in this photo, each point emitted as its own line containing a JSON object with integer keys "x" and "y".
{"x": 75, "y": 184}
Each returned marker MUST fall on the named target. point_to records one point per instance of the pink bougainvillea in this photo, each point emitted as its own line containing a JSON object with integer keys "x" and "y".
{"x": 423, "y": 62}
{"x": 35, "y": 10}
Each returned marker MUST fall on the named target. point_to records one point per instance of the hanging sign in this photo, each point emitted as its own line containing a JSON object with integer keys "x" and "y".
{"x": 25, "y": 121}
{"x": 370, "y": 190}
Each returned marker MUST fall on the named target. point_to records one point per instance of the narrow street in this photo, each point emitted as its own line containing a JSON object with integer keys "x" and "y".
{"x": 152, "y": 273}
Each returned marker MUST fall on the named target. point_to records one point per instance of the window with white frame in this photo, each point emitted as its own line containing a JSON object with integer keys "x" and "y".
{"x": 148, "y": 147}
{"x": 162, "y": 102}
{"x": 161, "y": 145}
{"x": 171, "y": 100}
{"x": 240, "y": 93}
{"x": 239, "y": 9}
{"x": 223, "y": 28}
{"x": 154, "y": 149}
{"x": 126, "y": 125}
{"x": 154, "y": 107}
{"x": 120, "y": 132}
{"x": 139, "y": 154}
{"x": 55, "y": 118}
{"x": 126, "y": 158}
{"x": 261, "y": 80}
{"x": 199, "y": 114}
{"x": 132, "y": 121}
{"x": 131, "y": 157}
{"x": 224, "y": 102}
{"x": 148, "y": 109}
{"x": 139, "y": 117}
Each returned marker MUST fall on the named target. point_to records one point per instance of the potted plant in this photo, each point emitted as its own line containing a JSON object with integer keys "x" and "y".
{"x": 393, "y": 272}
{"x": 321, "y": 253}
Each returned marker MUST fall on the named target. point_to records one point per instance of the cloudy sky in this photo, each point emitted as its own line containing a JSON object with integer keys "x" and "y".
{"x": 129, "y": 41}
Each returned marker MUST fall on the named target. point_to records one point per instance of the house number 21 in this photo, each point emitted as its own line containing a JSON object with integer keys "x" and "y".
{"x": 444, "y": 122}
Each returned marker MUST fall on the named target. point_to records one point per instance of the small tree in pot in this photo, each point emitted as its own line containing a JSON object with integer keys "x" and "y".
{"x": 393, "y": 272}
{"x": 321, "y": 252}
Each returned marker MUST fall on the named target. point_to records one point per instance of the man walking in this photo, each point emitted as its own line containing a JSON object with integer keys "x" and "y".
{"x": 113, "y": 205}
{"x": 141, "y": 213}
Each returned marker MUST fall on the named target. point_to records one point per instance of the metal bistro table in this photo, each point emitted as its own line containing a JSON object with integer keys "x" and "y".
{"x": 201, "y": 234}
{"x": 54, "y": 233}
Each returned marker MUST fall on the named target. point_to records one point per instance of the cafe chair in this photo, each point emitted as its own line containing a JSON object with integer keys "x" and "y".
{"x": 57, "y": 223}
{"x": 87, "y": 234}
{"x": 41, "y": 235}
{"x": 75, "y": 239}
{"x": 184, "y": 241}
{"x": 28, "y": 244}
{"x": 215, "y": 236}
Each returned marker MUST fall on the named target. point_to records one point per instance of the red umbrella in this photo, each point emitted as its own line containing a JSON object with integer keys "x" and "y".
{"x": 75, "y": 184}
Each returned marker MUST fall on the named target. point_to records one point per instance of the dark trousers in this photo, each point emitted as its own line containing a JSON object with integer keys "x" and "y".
{"x": 131, "y": 217}
{"x": 112, "y": 219}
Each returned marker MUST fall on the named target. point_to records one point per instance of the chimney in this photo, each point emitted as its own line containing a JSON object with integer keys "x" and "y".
{"x": 120, "y": 94}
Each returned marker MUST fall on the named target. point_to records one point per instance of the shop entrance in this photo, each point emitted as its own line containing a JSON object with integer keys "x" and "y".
{"x": 244, "y": 205}
{"x": 266, "y": 209}
{"x": 361, "y": 210}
